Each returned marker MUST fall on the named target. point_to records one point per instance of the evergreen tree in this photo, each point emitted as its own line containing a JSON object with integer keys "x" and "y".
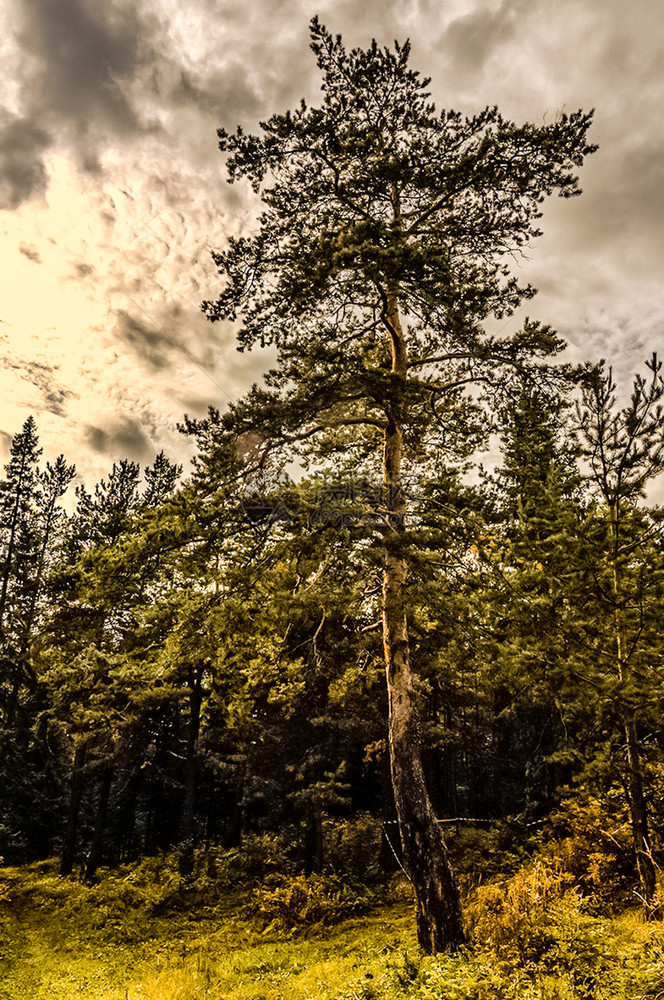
{"x": 161, "y": 479}
{"x": 621, "y": 590}
{"x": 525, "y": 555}
{"x": 18, "y": 540}
{"x": 31, "y": 528}
{"x": 383, "y": 245}
{"x": 30, "y": 524}
{"x": 90, "y": 622}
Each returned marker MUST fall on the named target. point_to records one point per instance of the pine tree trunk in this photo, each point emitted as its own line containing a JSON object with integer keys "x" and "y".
{"x": 75, "y": 796}
{"x": 148, "y": 832}
{"x": 313, "y": 840}
{"x": 235, "y": 829}
{"x": 388, "y": 859}
{"x": 639, "y": 817}
{"x": 94, "y": 856}
{"x": 439, "y": 920}
{"x": 187, "y": 822}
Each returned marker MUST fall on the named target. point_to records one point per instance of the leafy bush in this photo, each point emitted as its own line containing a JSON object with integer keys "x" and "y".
{"x": 305, "y": 900}
{"x": 352, "y": 848}
{"x": 259, "y": 856}
{"x": 518, "y": 916}
{"x": 479, "y": 853}
{"x": 591, "y": 839}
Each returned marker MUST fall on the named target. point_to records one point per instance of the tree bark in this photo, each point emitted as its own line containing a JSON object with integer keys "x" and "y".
{"x": 645, "y": 865}
{"x": 75, "y": 796}
{"x": 439, "y": 920}
{"x": 94, "y": 855}
{"x": 187, "y": 822}
{"x": 235, "y": 828}
{"x": 639, "y": 817}
{"x": 313, "y": 840}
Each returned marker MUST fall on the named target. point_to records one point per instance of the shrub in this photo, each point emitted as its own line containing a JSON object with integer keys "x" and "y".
{"x": 305, "y": 900}
{"x": 518, "y": 916}
{"x": 486, "y": 852}
{"x": 590, "y": 838}
{"x": 260, "y": 856}
{"x": 352, "y": 847}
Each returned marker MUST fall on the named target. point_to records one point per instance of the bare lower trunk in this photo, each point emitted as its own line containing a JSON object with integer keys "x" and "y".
{"x": 639, "y": 816}
{"x": 188, "y": 819}
{"x": 94, "y": 856}
{"x": 439, "y": 921}
{"x": 313, "y": 840}
{"x": 235, "y": 828}
{"x": 75, "y": 796}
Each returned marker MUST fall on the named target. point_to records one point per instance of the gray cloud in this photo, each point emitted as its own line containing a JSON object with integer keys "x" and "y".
{"x": 181, "y": 339}
{"x": 31, "y": 252}
{"x": 623, "y": 203}
{"x": 473, "y": 38}
{"x": 105, "y": 75}
{"x": 45, "y": 378}
{"x": 22, "y": 171}
{"x": 125, "y": 438}
{"x": 84, "y": 271}
{"x": 149, "y": 342}
{"x": 211, "y": 91}
{"x": 75, "y": 56}
{"x": 79, "y": 51}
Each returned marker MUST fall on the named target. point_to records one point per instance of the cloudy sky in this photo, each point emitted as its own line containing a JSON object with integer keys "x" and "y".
{"x": 112, "y": 191}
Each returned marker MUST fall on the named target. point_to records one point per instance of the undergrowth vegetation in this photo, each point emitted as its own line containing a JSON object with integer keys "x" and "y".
{"x": 251, "y": 924}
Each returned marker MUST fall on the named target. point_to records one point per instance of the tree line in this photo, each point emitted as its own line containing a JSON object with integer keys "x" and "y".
{"x": 192, "y": 661}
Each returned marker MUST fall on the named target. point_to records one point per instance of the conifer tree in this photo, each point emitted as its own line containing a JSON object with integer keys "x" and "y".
{"x": 90, "y": 620}
{"x": 532, "y": 521}
{"x": 31, "y": 525}
{"x": 384, "y": 244}
{"x": 621, "y": 590}
{"x": 160, "y": 480}
{"x": 30, "y": 519}
{"x": 17, "y": 497}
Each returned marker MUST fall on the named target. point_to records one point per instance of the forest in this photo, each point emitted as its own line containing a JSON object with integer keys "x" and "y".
{"x": 396, "y": 636}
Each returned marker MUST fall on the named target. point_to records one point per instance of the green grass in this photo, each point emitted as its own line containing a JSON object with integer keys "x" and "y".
{"x": 50, "y": 954}
{"x": 138, "y": 935}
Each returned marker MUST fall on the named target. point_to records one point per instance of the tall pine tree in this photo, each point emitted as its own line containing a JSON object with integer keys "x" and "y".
{"x": 384, "y": 243}
{"x": 622, "y": 586}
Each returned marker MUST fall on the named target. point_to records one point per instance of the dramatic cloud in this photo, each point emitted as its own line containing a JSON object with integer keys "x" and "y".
{"x": 46, "y": 379}
{"x": 22, "y": 170}
{"x": 123, "y": 439}
{"x": 111, "y": 182}
{"x": 151, "y": 345}
{"x": 52, "y": 395}
{"x": 77, "y": 55}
